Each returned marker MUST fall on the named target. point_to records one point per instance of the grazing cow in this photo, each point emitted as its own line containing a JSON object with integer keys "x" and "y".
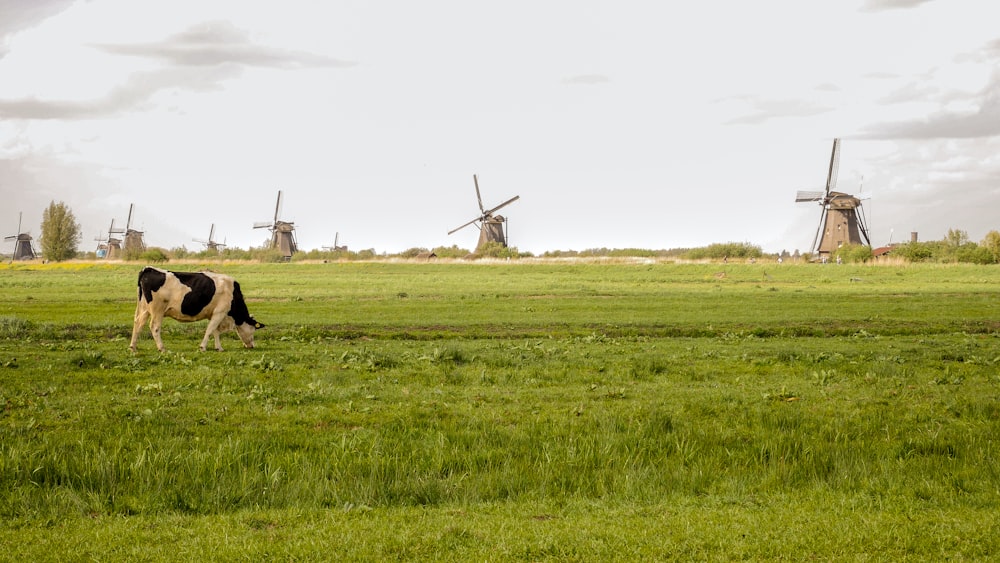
{"x": 192, "y": 296}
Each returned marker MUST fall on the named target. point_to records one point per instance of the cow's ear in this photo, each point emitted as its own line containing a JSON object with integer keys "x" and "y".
{"x": 258, "y": 324}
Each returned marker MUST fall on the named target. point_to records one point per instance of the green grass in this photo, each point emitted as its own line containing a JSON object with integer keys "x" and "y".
{"x": 508, "y": 412}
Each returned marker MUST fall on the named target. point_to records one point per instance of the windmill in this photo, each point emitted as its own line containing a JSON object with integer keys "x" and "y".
{"x": 491, "y": 227}
{"x": 282, "y": 232}
{"x": 110, "y": 247}
{"x": 22, "y": 244}
{"x": 336, "y": 247}
{"x": 210, "y": 244}
{"x": 842, "y": 220}
{"x": 133, "y": 242}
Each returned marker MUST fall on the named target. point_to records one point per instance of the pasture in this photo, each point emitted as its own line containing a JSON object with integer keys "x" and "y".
{"x": 508, "y": 411}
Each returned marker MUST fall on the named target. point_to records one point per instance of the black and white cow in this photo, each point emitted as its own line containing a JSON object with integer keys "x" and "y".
{"x": 192, "y": 296}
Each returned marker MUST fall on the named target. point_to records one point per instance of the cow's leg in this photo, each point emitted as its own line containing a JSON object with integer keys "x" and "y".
{"x": 213, "y": 329}
{"x": 154, "y": 327}
{"x": 141, "y": 315}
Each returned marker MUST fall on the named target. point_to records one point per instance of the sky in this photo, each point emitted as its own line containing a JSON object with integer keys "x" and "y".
{"x": 620, "y": 124}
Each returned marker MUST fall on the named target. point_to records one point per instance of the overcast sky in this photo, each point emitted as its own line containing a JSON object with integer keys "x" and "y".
{"x": 619, "y": 123}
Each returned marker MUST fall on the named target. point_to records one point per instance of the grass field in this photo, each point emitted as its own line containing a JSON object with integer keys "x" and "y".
{"x": 508, "y": 411}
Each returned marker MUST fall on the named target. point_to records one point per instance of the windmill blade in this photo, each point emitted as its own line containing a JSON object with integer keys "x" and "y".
{"x": 831, "y": 176}
{"x": 819, "y": 229}
{"x": 863, "y": 225}
{"x": 113, "y": 231}
{"x": 262, "y": 224}
{"x": 211, "y": 232}
{"x": 277, "y": 207}
{"x": 128, "y": 224}
{"x": 808, "y": 195}
{"x": 465, "y": 225}
{"x": 504, "y": 204}
{"x": 479, "y": 197}
{"x": 11, "y": 237}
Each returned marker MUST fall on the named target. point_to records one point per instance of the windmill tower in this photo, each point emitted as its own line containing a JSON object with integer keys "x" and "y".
{"x": 22, "y": 244}
{"x": 491, "y": 227}
{"x": 133, "y": 242}
{"x": 842, "y": 220}
{"x": 282, "y": 232}
{"x": 210, "y": 244}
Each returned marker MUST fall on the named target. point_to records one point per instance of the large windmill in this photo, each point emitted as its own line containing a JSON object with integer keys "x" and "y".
{"x": 842, "y": 220}
{"x": 22, "y": 244}
{"x": 133, "y": 242}
{"x": 282, "y": 232}
{"x": 491, "y": 227}
{"x": 211, "y": 244}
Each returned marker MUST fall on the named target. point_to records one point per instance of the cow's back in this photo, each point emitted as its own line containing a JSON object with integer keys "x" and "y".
{"x": 202, "y": 291}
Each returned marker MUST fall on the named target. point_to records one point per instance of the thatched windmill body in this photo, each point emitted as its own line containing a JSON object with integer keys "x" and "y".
{"x": 492, "y": 228}
{"x": 842, "y": 220}
{"x": 211, "y": 244}
{"x": 282, "y": 232}
{"x": 22, "y": 243}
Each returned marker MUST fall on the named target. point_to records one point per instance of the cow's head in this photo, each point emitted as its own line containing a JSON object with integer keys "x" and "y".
{"x": 246, "y": 330}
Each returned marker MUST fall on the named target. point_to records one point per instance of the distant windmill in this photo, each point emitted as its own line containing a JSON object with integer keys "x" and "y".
{"x": 336, "y": 247}
{"x": 282, "y": 232}
{"x": 491, "y": 227}
{"x": 842, "y": 220}
{"x": 110, "y": 246}
{"x": 133, "y": 243}
{"x": 210, "y": 244}
{"x": 22, "y": 244}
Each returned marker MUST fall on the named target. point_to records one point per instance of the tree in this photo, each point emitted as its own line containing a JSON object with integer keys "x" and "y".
{"x": 992, "y": 243}
{"x": 60, "y": 232}
{"x": 956, "y": 237}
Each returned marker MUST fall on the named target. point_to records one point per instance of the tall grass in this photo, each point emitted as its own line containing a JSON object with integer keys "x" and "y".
{"x": 524, "y": 389}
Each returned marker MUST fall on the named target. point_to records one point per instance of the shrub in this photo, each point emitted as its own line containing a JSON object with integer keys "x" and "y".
{"x": 854, "y": 253}
{"x": 154, "y": 255}
{"x": 720, "y": 251}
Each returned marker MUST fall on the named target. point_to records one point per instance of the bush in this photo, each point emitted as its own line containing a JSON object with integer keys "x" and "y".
{"x": 494, "y": 249}
{"x": 719, "y": 251}
{"x": 452, "y": 251}
{"x": 972, "y": 253}
{"x": 154, "y": 255}
{"x": 854, "y": 253}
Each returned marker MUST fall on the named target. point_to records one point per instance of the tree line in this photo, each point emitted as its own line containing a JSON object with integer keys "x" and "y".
{"x": 61, "y": 236}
